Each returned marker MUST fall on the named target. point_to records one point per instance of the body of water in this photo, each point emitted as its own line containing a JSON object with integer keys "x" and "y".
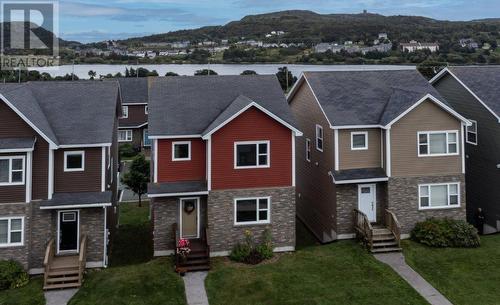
{"x": 223, "y": 69}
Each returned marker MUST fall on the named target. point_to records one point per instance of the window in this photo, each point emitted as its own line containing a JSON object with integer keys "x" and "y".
{"x": 12, "y": 170}
{"x": 437, "y": 143}
{"x": 124, "y": 112}
{"x": 11, "y": 231}
{"x": 308, "y": 150}
{"x": 147, "y": 140}
{"x": 432, "y": 196}
{"x": 146, "y": 109}
{"x": 319, "y": 138}
{"x": 472, "y": 133}
{"x": 251, "y": 154}
{"x": 252, "y": 210}
{"x": 359, "y": 140}
{"x": 74, "y": 161}
{"x": 125, "y": 135}
{"x": 181, "y": 151}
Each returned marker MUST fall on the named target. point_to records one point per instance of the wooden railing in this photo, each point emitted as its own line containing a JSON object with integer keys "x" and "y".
{"x": 49, "y": 256}
{"x": 175, "y": 230}
{"x": 392, "y": 224}
{"x": 82, "y": 259}
{"x": 205, "y": 239}
{"x": 363, "y": 228}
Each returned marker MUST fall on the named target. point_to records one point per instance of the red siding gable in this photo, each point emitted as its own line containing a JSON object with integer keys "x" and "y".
{"x": 252, "y": 125}
{"x": 192, "y": 170}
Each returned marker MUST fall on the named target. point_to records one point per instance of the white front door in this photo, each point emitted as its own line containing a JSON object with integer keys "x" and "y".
{"x": 367, "y": 200}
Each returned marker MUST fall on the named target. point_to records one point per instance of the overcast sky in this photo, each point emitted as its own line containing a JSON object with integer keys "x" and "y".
{"x": 96, "y": 20}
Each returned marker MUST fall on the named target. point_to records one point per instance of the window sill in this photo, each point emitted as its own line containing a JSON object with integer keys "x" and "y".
{"x": 11, "y": 246}
{"x": 12, "y": 184}
{"x": 439, "y": 208}
{"x": 246, "y": 224}
{"x": 439, "y": 155}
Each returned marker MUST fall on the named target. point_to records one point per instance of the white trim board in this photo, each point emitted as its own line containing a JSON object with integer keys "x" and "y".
{"x": 75, "y": 206}
{"x": 177, "y": 194}
{"x": 446, "y": 70}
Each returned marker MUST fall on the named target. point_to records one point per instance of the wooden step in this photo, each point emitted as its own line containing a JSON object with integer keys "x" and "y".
{"x": 387, "y": 249}
{"x": 381, "y": 232}
{"x": 63, "y": 272}
{"x": 196, "y": 255}
{"x": 63, "y": 279}
{"x": 61, "y": 286}
{"x": 383, "y": 237}
{"x": 385, "y": 244}
{"x": 191, "y": 262}
{"x": 197, "y": 268}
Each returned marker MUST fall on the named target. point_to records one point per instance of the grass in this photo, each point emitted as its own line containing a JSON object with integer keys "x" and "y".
{"x": 151, "y": 283}
{"x": 338, "y": 273}
{"x": 464, "y": 276}
{"x": 31, "y": 294}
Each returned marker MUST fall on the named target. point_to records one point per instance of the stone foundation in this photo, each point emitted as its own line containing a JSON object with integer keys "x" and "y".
{"x": 404, "y": 202}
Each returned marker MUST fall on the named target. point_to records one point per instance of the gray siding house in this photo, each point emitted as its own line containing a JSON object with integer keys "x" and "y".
{"x": 475, "y": 93}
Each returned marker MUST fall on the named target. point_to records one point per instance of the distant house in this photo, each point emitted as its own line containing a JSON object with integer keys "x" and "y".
{"x": 382, "y": 36}
{"x": 323, "y": 47}
{"x": 414, "y": 45}
{"x": 151, "y": 54}
{"x": 468, "y": 43}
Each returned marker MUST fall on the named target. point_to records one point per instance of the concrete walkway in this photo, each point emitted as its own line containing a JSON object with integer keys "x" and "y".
{"x": 194, "y": 283}
{"x": 59, "y": 297}
{"x": 397, "y": 262}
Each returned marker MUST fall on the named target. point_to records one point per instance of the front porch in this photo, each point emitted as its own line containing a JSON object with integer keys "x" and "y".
{"x": 381, "y": 237}
{"x": 198, "y": 258}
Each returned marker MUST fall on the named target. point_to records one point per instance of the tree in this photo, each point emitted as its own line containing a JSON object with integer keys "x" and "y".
{"x": 205, "y": 72}
{"x": 171, "y": 74}
{"x": 137, "y": 178}
{"x": 92, "y": 74}
{"x": 248, "y": 72}
{"x": 285, "y": 78}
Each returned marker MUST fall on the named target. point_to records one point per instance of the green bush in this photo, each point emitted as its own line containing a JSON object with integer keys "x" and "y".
{"x": 446, "y": 233}
{"x": 127, "y": 150}
{"x": 250, "y": 253}
{"x": 12, "y": 275}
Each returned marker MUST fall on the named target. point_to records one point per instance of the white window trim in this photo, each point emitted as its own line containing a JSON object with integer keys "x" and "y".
{"x": 448, "y": 206}
{"x": 268, "y": 221}
{"x": 9, "y": 231}
{"x": 268, "y": 162}
{"x": 181, "y": 200}
{"x": 59, "y": 231}
{"x": 127, "y": 133}
{"x": 76, "y": 152}
{"x": 319, "y": 127}
{"x": 124, "y": 112}
{"x": 10, "y": 158}
{"x": 467, "y": 131}
{"x": 146, "y": 109}
{"x": 144, "y": 138}
{"x": 181, "y": 143}
{"x": 308, "y": 150}
{"x": 447, "y": 132}
{"x": 357, "y": 133}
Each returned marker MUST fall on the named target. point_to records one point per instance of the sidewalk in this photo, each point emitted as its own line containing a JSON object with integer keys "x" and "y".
{"x": 194, "y": 283}
{"x": 397, "y": 262}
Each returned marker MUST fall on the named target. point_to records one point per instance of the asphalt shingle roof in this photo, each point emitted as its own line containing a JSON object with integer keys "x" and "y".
{"x": 17, "y": 143}
{"x": 368, "y": 97}
{"x": 484, "y": 81}
{"x": 134, "y": 90}
{"x": 80, "y": 112}
{"x": 81, "y": 198}
{"x": 359, "y": 173}
{"x": 177, "y": 187}
{"x": 188, "y": 105}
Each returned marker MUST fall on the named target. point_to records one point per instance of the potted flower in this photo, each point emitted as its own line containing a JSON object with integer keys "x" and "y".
{"x": 183, "y": 249}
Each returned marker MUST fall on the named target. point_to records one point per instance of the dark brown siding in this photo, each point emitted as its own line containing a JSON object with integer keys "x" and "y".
{"x": 11, "y": 125}
{"x": 316, "y": 204}
{"x": 136, "y": 115}
{"x": 88, "y": 180}
{"x": 13, "y": 193}
{"x": 482, "y": 175}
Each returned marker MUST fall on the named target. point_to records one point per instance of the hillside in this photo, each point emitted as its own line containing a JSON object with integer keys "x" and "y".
{"x": 311, "y": 27}
{"x": 40, "y": 32}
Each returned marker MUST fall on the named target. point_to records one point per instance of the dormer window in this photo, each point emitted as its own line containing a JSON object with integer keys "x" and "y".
{"x": 74, "y": 161}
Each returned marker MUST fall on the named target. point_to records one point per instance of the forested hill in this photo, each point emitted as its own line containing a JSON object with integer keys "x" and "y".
{"x": 310, "y": 27}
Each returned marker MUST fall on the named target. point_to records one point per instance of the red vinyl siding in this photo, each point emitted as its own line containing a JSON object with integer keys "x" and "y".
{"x": 252, "y": 125}
{"x": 192, "y": 170}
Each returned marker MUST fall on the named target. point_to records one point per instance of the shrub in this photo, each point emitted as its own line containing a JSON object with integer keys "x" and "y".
{"x": 12, "y": 275}
{"x": 250, "y": 253}
{"x": 446, "y": 233}
{"x": 127, "y": 150}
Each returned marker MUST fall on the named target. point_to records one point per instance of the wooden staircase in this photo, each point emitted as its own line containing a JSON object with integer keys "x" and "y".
{"x": 381, "y": 238}
{"x": 64, "y": 271}
{"x": 199, "y": 257}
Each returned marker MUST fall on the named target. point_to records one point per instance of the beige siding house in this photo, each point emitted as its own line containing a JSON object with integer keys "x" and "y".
{"x": 383, "y": 143}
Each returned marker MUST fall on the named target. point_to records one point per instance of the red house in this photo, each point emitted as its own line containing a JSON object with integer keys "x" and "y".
{"x": 222, "y": 163}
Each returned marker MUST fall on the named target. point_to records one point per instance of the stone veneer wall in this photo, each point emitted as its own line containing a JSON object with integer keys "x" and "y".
{"x": 19, "y": 253}
{"x": 223, "y": 234}
{"x": 347, "y": 201}
{"x": 403, "y": 200}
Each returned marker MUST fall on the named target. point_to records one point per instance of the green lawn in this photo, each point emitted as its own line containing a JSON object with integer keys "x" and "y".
{"x": 464, "y": 276}
{"x": 338, "y": 273}
{"x": 31, "y": 294}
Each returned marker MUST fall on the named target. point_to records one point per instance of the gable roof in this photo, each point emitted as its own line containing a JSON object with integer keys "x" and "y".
{"x": 370, "y": 98}
{"x": 134, "y": 90}
{"x": 64, "y": 112}
{"x": 196, "y": 105}
{"x": 483, "y": 82}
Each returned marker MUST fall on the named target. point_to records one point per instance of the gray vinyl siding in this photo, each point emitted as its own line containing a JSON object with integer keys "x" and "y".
{"x": 482, "y": 175}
